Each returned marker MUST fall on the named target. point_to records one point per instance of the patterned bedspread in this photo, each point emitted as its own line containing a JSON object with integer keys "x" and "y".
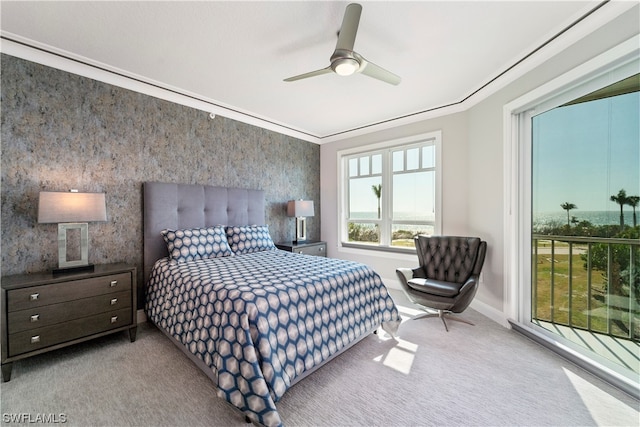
{"x": 261, "y": 320}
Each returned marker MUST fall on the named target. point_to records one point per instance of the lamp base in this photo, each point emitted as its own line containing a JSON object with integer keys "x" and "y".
{"x": 72, "y": 270}
{"x": 301, "y": 230}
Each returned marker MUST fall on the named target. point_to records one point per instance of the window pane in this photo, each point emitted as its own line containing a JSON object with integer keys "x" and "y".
{"x": 353, "y": 167}
{"x": 376, "y": 164}
{"x": 363, "y": 232}
{"x": 428, "y": 156}
{"x": 398, "y": 161}
{"x": 414, "y": 196}
{"x": 364, "y": 165}
{"x": 363, "y": 201}
{"x": 413, "y": 158}
{"x": 583, "y": 154}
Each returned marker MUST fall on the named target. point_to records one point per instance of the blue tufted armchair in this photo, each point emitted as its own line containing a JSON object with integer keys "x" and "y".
{"x": 448, "y": 275}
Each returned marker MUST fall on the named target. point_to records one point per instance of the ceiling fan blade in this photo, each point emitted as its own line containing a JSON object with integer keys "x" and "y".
{"x": 372, "y": 70}
{"x": 349, "y": 28}
{"x": 310, "y": 74}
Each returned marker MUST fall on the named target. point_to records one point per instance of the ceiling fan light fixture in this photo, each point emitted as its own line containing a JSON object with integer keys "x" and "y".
{"x": 345, "y": 66}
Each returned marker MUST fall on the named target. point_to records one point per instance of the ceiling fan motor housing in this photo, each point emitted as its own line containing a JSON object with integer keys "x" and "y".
{"x": 344, "y": 62}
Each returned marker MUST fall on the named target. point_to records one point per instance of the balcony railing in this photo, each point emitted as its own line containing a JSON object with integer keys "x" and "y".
{"x": 588, "y": 283}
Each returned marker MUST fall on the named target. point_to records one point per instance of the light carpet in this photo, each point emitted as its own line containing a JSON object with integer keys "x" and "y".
{"x": 482, "y": 375}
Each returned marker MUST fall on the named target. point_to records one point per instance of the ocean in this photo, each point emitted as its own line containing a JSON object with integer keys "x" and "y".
{"x": 541, "y": 219}
{"x": 403, "y": 216}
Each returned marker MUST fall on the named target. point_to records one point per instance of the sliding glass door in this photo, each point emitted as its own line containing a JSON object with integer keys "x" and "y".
{"x": 585, "y": 230}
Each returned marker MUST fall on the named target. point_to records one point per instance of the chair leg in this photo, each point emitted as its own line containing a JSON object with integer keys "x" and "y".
{"x": 423, "y": 315}
{"x": 451, "y": 316}
{"x": 442, "y": 315}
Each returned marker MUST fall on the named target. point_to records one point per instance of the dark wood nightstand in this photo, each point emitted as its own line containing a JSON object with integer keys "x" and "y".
{"x": 43, "y": 312}
{"x": 307, "y": 247}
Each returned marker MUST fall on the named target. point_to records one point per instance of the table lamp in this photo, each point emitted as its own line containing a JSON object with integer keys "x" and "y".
{"x": 71, "y": 211}
{"x": 300, "y": 209}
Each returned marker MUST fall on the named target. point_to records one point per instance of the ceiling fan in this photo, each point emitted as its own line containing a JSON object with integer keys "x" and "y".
{"x": 344, "y": 61}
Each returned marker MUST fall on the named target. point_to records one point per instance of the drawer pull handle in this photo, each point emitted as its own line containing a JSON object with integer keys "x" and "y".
{"x": 113, "y": 283}
{"x": 321, "y": 248}
{"x": 34, "y": 297}
{"x": 114, "y": 301}
{"x": 114, "y": 319}
{"x": 35, "y": 339}
{"x": 35, "y": 318}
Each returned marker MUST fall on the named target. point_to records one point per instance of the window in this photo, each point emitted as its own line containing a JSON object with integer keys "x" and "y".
{"x": 390, "y": 193}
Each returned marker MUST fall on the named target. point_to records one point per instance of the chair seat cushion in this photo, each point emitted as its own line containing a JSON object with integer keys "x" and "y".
{"x": 435, "y": 287}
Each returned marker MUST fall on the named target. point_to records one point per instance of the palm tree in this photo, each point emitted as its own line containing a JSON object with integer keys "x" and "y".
{"x": 633, "y": 202}
{"x": 621, "y": 199}
{"x": 567, "y": 207}
{"x": 377, "y": 190}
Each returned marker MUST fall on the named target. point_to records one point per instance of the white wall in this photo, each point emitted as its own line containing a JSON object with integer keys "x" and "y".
{"x": 472, "y": 161}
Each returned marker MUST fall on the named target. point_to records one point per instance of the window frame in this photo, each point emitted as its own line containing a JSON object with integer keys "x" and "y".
{"x": 386, "y": 221}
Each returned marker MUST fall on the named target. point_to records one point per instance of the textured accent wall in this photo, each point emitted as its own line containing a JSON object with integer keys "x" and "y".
{"x": 62, "y": 131}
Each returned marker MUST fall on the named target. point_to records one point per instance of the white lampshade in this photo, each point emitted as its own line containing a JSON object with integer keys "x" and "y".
{"x": 300, "y": 208}
{"x": 62, "y": 207}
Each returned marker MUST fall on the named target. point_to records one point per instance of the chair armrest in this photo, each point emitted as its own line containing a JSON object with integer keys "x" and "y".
{"x": 467, "y": 292}
{"x": 470, "y": 283}
{"x": 405, "y": 273}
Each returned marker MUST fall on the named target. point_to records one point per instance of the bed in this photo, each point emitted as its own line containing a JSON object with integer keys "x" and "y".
{"x": 255, "y": 319}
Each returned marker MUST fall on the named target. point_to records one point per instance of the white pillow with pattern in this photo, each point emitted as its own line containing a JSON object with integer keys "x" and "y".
{"x": 197, "y": 243}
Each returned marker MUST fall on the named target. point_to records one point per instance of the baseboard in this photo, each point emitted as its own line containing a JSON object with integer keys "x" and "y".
{"x": 141, "y": 316}
{"x": 490, "y": 312}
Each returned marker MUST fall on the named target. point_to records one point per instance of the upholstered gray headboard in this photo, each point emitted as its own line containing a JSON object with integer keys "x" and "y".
{"x": 177, "y": 206}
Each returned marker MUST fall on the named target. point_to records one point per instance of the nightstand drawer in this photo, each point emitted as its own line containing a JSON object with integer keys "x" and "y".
{"x": 34, "y": 339}
{"x": 318, "y": 250}
{"x": 314, "y": 247}
{"x": 39, "y": 317}
{"x": 37, "y": 296}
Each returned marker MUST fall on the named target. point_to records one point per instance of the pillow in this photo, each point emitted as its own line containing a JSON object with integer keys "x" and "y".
{"x": 250, "y": 238}
{"x": 196, "y": 243}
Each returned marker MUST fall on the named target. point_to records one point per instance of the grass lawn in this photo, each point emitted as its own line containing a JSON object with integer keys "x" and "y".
{"x": 560, "y": 268}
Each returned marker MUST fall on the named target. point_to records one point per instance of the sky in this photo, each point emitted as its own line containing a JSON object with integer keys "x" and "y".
{"x": 585, "y": 153}
{"x": 413, "y": 193}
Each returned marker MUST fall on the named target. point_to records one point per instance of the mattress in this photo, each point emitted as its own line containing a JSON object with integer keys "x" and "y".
{"x": 261, "y": 321}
